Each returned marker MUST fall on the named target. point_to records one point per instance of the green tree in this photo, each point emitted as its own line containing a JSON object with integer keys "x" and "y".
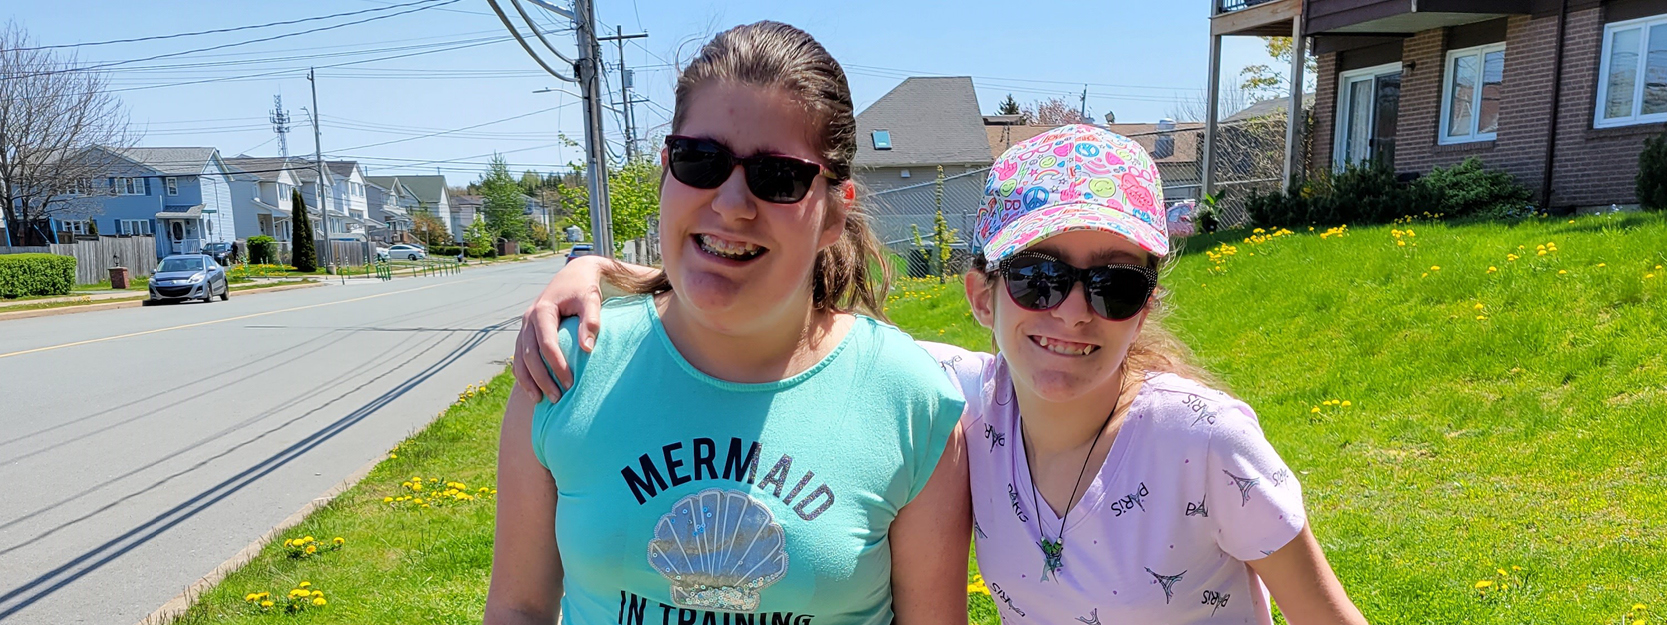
{"x": 304, "y": 256}
{"x": 505, "y": 203}
{"x": 1264, "y": 82}
{"x": 478, "y": 237}
{"x": 1009, "y": 107}
{"x": 1652, "y": 174}
{"x": 943, "y": 238}
{"x": 633, "y": 197}
{"x": 531, "y": 182}
{"x": 429, "y": 229}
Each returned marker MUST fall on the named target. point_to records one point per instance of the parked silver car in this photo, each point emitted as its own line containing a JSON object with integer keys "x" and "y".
{"x": 188, "y": 276}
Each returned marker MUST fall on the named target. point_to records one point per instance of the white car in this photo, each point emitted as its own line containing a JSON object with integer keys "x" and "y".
{"x": 407, "y": 252}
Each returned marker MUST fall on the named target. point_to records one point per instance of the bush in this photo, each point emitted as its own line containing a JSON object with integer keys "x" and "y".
{"x": 1468, "y": 190}
{"x": 1652, "y": 174}
{"x": 263, "y": 250}
{"x": 448, "y": 251}
{"x": 27, "y": 275}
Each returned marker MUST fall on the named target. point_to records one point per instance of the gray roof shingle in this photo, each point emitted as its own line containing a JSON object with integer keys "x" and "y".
{"x": 932, "y": 121}
{"x": 169, "y": 161}
{"x": 266, "y": 169}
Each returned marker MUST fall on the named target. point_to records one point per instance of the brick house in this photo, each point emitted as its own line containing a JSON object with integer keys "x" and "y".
{"x": 1560, "y": 94}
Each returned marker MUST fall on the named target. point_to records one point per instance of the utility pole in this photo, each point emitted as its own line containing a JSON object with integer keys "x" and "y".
{"x": 625, "y": 85}
{"x": 588, "y": 67}
{"x": 318, "y": 161}
{"x": 1084, "y": 112}
{"x": 280, "y": 125}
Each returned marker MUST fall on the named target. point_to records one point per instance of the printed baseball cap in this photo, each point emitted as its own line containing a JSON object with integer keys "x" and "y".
{"x": 1076, "y": 177}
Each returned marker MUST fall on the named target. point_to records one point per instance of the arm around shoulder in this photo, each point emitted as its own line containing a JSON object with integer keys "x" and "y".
{"x": 526, "y": 584}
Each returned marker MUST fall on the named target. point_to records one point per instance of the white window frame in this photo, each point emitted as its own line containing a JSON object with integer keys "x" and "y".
{"x": 172, "y": 184}
{"x": 74, "y": 226}
{"x": 1481, "y": 53}
{"x": 132, "y": 227}
{"x": 1643, "y": 24}
{"x": 1339, "y": 138}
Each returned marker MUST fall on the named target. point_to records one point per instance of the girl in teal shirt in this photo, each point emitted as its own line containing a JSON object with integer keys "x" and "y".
{"x": 739, "y": 447}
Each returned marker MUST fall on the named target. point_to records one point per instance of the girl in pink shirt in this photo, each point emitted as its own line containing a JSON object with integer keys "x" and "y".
{"x": 1111, "y": 482}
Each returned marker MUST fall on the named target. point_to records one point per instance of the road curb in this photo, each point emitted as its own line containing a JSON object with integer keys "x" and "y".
{"x": 177, "y": 606}
{"x": 133, "y": 303}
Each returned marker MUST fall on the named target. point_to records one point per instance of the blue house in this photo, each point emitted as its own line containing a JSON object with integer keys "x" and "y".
{"x": 181, "y": 195}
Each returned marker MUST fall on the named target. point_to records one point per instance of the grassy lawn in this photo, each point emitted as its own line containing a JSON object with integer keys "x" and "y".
{"x": 1504, "y": 414}
{"x": 1521, "y": 436}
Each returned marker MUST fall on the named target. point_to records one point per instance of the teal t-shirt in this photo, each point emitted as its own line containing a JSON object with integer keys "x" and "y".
{"x": 685, "y": 499}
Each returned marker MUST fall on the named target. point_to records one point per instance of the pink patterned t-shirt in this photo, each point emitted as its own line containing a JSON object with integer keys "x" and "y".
{"x": 1189, "y": 492}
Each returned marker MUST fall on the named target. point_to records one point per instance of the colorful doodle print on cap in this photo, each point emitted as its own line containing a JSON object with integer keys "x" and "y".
{"x": 718, "y": 549}
{"x": 1071, "y": 178}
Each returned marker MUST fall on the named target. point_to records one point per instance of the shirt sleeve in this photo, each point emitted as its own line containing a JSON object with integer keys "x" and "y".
{"x": 931, "y": 434}
{"x": 966, "y": 370}
{"x": 1255, "y": 500}
{"x": 567, "y": 338}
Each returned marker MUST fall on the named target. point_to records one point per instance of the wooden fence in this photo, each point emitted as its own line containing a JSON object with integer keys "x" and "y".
{"x": 93, "y": 259}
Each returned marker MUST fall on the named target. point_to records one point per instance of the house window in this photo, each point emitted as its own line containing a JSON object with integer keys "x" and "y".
{"x": 1471, "y": 94}
{"x": 131, "y": 227}
{"x": 173, "y": 185}
{"x": 1632, "y": 77}
{"x": 75, "y": 226}
{"x": 882, "y": 139}
{"x": 128, "y": 186}
{"x": 1368, "y": 108}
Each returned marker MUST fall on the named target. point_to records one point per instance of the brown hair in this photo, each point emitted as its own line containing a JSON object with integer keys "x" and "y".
{"x": 852, "y": 275}
{"x": 1155, "y": 349}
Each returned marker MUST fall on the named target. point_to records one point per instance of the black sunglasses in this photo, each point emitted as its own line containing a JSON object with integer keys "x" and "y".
{"x": 1040, "y": 282}
{"x": 775, "y": 178}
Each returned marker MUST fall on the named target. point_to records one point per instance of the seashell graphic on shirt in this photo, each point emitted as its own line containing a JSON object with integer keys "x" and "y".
{"x": 718, "y": 549}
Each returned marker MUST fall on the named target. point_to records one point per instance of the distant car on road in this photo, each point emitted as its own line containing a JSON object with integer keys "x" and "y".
{"x": 222, "y": 253}
{"x": 381, "y": 253}
{"x": 407, "y": 251}
{"x": 580, "y": 249}
{"x": 188, "y": 276}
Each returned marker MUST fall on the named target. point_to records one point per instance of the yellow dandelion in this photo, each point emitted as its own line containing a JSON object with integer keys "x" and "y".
{"x": 318, "y": 593}
{"x": 1639, "y": 607}
{"x": 392, "y": 456}
{"x": 319, "y": 601}
{"x": 308, "y": 539}
{"x": 1648, "y": 276}
{"x": 251, "y": 597}
{"x": 1316, "y": 409}
{"x": 1481, "y": 317}
{"x": 1479, "y": 307}
{"x": 312, "y": 549}
{"x": 339, "y": 540}
{"x": 1401, "y": 243}
{"x": 1492, "y": 269}
{"x": 1516, "y": 568}
{"x": 1502, "y": 572}
{"x": 1540, "y": 253}
{"x": 1603, "y": 264}
{"x": 1425, "y": 275}
{"x": 1658, "y": 267}
{"x": 417, "y": 500}
{"x": 304, "y": 585}
{"x": 1562, "y": 272}
{"x": 1435, "y": 267}
{"x": 1484, "y": 584}
{"x": 387, "y": 500}
{"x": 266, "y": 604}
{"x": 1346, "y": 403}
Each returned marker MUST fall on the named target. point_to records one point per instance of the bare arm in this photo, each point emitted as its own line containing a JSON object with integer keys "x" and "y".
{"x": 929, "y": 542}
{"x": 526, "y": 585}
{"x": 1302, "y": 583}
{"x": 576, "y": 290}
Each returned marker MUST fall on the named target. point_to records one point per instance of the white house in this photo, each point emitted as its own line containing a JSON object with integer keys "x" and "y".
{"x": 261, "y": 191}
{"x": 390, "y": 204}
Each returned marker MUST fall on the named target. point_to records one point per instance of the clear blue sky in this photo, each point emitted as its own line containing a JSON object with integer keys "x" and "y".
{"x": 1140, "y": 58}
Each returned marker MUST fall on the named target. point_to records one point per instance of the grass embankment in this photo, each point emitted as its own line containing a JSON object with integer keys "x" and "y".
{"x": 421, "y": 556}
{"x": 1501, "y": 458}
{"x": 1517, "y": 444}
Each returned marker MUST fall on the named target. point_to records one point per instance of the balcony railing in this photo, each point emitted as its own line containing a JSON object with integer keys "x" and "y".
{"x": 1230, "y": 6}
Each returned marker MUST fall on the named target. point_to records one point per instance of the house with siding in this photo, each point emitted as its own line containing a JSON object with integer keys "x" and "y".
{"x": 466, "y": 210}
{"x": 1560, "y": 94}
{"x": 390, "y": 203}
{"x": 1173, "y": 146}
{"x": 182, "y": 195}
{"x": 262, "y": 189}
{"x": 922, "y": 123}
{"x": 433, "y": 199}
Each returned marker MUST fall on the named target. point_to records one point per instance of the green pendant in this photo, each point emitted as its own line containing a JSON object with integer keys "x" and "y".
{"x": 1053, "y": 552}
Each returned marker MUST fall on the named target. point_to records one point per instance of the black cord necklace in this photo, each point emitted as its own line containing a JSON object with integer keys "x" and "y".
{"x": 1053, "y": 551}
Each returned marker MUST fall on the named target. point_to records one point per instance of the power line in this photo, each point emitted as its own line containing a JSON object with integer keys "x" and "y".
{"x": 236, "y": 43}
{"x": 435, "y": 134}
{"x": 219, "y": 30}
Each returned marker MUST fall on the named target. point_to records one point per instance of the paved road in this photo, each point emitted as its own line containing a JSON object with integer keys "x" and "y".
{"x": 140, "y": 448}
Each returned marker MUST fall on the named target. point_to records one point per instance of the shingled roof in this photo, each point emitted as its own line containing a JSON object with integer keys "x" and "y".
{"x": 267, "y": 169}
{"x": 931, "y": 120}
{"x": 169, "y": 161}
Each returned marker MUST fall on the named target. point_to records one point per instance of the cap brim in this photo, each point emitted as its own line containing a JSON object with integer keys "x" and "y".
{"x": 1040, "y": 225}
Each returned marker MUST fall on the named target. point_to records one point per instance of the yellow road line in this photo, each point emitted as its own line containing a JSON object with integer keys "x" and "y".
{"x": 212, "y": 322}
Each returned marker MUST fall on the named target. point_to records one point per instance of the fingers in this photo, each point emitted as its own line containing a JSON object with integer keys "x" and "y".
{"x": 548, "y": 344}
{"x": 531, "y": 361}
{"x": 590, "y": 320}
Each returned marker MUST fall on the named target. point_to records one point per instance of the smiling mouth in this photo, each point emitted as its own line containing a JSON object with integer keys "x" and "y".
{"x": 1063, "y": 347}
{"x": 727, "y": 249}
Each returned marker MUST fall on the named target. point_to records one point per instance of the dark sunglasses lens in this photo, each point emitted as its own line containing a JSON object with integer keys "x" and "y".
{"x": 1118, "y": 293}
{"x": 700, "y": 164}
{"x": 1037, "y": 284}
{"x": 779, "y": 179}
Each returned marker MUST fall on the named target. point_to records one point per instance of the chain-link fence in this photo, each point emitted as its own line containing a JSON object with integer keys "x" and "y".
{"x": 1250, "y": 159}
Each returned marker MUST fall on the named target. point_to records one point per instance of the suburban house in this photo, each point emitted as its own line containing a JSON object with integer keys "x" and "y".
{"x": 345, "y": 206}
{"x": 466, "y": 210}
{"x": 181, "y": 195}
{"x": 1559, "y": 94}
{"x": 919, "y": 125}
{"x": 390, "y": 204}
{"x": 432, "y": 198}
{"x": 261, "y": 190}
